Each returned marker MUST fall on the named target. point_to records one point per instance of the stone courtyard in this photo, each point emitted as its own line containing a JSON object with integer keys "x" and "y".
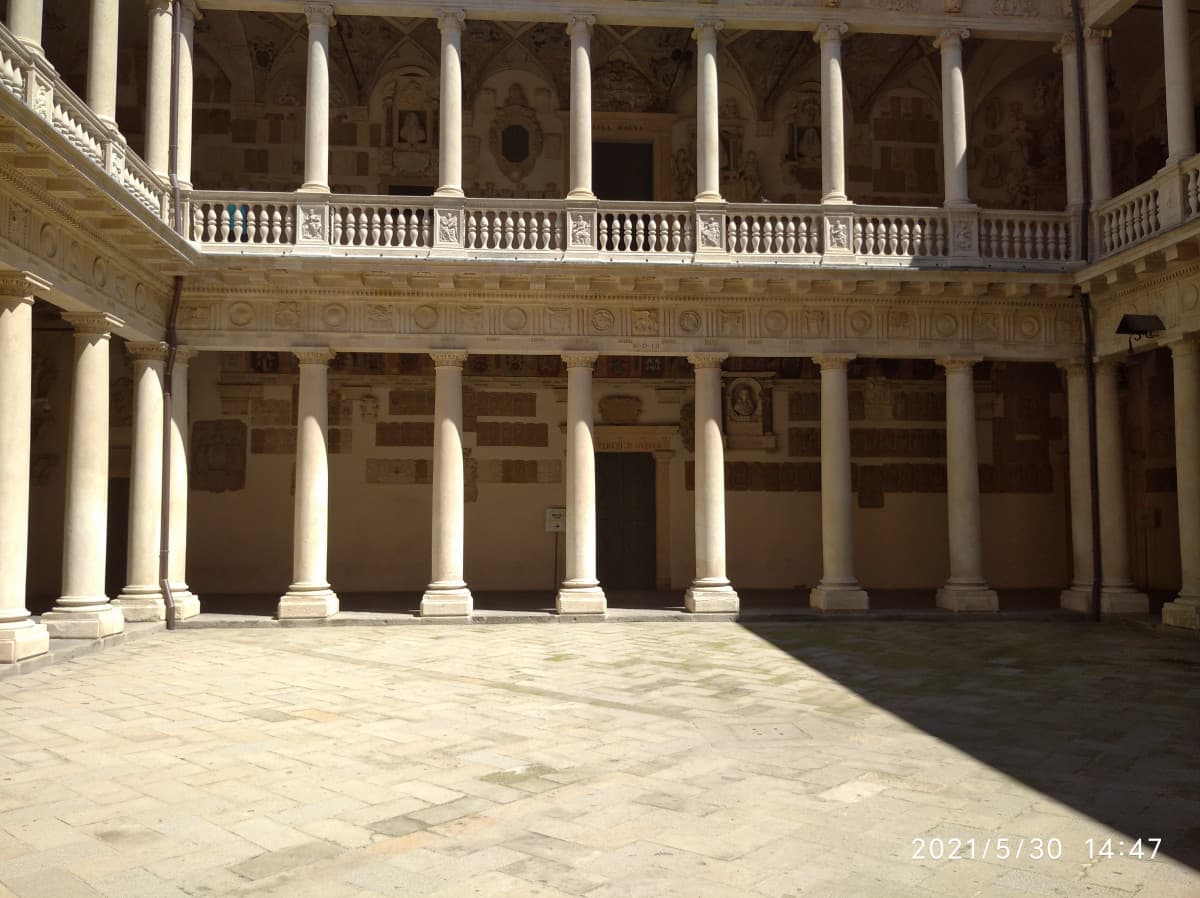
{"x": 627, "y": 759}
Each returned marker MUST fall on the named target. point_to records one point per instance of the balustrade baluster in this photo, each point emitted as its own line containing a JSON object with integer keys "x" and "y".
{"x": 689, "y": 238}
{"x": 198, "y": 230}
{"x": 223, "y": 230}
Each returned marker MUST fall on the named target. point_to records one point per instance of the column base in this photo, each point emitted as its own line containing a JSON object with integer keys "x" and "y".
{"x": 1123, "y": 600}
{"x": 1076, "y": 598}
{"x": 447, "y": 603}
{"x": 299, "y": 603}
{"x": 700, "y": 599}
{"x": 187, "y": 603}
{"x": 141, "y": 606}
{"x": 449, "y": 190}
{"x": 968, "y": 598}
{"x": 839, "y": 598}
{"x": 580, "y": 600}
{"x": 89, "y": 622}
{"x": 1184, "y": 611}
{"x": 24, "y": 640}
{"x": 313, "y": 187}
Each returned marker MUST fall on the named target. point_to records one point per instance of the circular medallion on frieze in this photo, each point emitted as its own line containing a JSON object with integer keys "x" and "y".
{"x": 603, "y": 319}
{"x": 860, "y": 322}
{"x": 1028, "y": 326}
{"x": 140, "y": 302}
{"x": 99, "y": 272}
{"x": 689, "y": 321}
{"x": 1190, "y": 297}
{"x": 425, "y": 317}
{"x": 775, "y": 322}
{"x": 49, "y": 242}
{"x": 241, "y": 314}
{"x": 335, "y": 315}
{"x": 946, "y": 324}
{"x": 514, "y": 319}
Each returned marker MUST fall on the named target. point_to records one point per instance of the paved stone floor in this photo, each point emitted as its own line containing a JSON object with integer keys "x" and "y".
{"x": 654, "y": 759}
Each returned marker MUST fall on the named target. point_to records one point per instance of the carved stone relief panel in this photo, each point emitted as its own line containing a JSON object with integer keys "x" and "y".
{"x": 217, "y": 456}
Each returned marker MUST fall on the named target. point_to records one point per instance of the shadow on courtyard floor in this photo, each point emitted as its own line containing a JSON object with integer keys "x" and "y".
{"x": 1105, "y": 719}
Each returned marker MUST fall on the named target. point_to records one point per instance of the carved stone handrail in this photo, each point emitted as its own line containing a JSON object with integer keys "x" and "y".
{"x": 27, "y": 75}
{"x": 537, "y": 230}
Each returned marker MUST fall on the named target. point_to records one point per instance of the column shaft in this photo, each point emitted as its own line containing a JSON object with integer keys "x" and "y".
{"x": 158, "y": 88}
{"x": 102, "y": 61}
{"x": 450, "y": 120}
{"x": 310, "y": 595}
{"x": 447, "y": 594}
{"x": 833, "y": 137}
{"x": 966, "y": 589}
{"x": 25, "y": 21}
{"x": 708, "y": 126}
{"x": 1118, "y": 594}
{"x": 710, "y": 591}
{"x": 187, "y": 35}
{"x": 580, "y": 592}
{"x": 954, "y": 117}
{"x": 839, "y": 589}
{"x": 83, "y": 610}
{"x": 142, "y": 597}
{"x": 1071, "y": 133}
{"x": 316, "y": 110}
{"x": 580, "y": 29}
{"x": 19, "y": 637}
{"x": 1079, "y": 595}
{"x": 1097, "y": 100}
{"x": 1181, "y": 125}
{"x": 1184, "y": 611}
{"x": 187, "y": 604}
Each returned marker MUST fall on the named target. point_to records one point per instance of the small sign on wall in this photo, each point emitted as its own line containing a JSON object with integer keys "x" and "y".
{"x": 556, "y": 520}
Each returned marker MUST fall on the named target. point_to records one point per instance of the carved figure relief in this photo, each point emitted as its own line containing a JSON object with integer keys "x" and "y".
{"x": 218, "y": 456}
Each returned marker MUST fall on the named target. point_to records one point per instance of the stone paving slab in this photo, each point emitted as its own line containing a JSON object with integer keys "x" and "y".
{"x": 750, "y": 760}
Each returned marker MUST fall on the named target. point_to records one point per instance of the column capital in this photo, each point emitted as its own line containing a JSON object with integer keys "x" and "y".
{"x": 448, "y": 358}
{"x": 580, "y": 22}
{"x": 147, "y": 351}
{"x": 1073, "y": 367}
{"x": 159, "y": 6}
{"x": 21, "y": 285}
{"x": 1096, "y": 35}
{"x": 951, "y": 37}
{"x": 580, "y": 358}
{"x": 1066, "y": 43}
{"x": 184, "y": 354}
{"x": 958, "y": 362}
{"x": 707, "y": 28}
{"x": 92, "y": 322}
{"x": 834, "y": 361}
{"x": 830, "y": 31}
{"x": 1189, "y": 345}
{"x": 1107, "y": 367}
{"x": 316, "y": 355}
{"x": 707, "y": 359}
{"x": 319, "y": 14}
{"x": 451, "y": 20}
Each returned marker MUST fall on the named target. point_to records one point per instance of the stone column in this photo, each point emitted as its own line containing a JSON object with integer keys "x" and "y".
{"x": 1097, "y": 100}
{"x": 83, "y": 611}
{"x": 142, "y": 598}
{"x": 158, "y": 88}
{"x": 833, "y": 134}
{"x": 580, "y": 29}
{"x": 1184, "y": 611}
{"x": 710, "y": 591}
{"x": 447, "y": 594}
{"x": 450, "y": 120}
{"x": 838, "y": 589}
{"x": 310, "y": 595}
{"x": 316, "y": 108}
{"x": 187, "y": 604}
{"x": 966, "y": 589}
{"x": 102, "y": 61}
{"x": 1117, "y": 595}
{"x": 1078, "y": 596}
{"x": 708, "y": 125}
{"x": 20, "y": 637}
{"x": 1071, "y": 133}
{"x": 25, "y": 22}
{"x": 580, "y": 592}
{"x": 954, "y": 116}
{"x": 188, "y": 14}
{"x": 1181, "y": 126}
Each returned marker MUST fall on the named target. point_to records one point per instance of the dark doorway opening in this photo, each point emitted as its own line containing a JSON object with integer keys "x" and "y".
{"x": 625, "y": 520}
{"x": 118, "y": 536}
{"x": 623, "y": 171}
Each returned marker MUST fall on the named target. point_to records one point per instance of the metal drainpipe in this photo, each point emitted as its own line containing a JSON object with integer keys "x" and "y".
{"x": 1085, "y": 306}
{"x": 164, "y": 545}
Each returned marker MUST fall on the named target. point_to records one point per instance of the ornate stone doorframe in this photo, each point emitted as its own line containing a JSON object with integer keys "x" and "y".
{"x": 655, "y": 439}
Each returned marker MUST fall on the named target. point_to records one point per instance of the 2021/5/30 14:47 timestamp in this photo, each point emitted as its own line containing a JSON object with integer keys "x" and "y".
{"x": 1140, "y": 849}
